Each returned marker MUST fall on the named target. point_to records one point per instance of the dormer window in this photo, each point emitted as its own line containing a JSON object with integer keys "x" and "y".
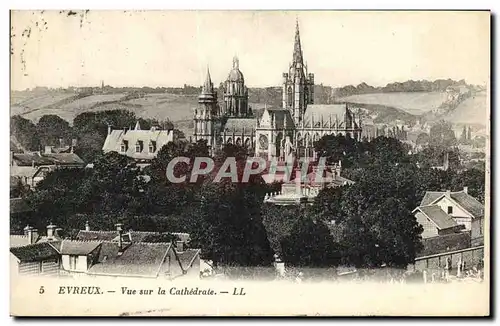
{"x": 152, "y": 146}
{"x": 450, "y": 209}
{"x": 124, "y": 146}
{"x": 138, "y": 146}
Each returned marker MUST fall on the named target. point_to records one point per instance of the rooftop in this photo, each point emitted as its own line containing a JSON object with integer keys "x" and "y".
{"x": 136, "y": 259}
{"x": 438, "y": 216}
{"x": 462, "y": 198}
{"x": 35, "y": 252}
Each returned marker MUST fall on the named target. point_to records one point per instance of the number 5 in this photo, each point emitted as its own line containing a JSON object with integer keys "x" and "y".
{"x": 42, "y": 290}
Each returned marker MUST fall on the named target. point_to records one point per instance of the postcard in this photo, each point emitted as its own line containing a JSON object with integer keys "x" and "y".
{"x": 249, "y": 163}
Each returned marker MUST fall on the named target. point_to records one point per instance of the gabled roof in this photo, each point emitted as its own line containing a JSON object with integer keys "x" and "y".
{"x": 430, "y": 197}
{"x": 37, "y": 159}
{"x": 35, "y": 252}
{"x": 238, "y": 124}
{"x": 114, "y": 141}
{"x": 469, "y": 203}
{"x": 464, "y": 200}
{"x": 438, "y": 216}
{"x": 65, "y": 158}
{"x": 80, "y": 248}
{"x": 136, "y": 259}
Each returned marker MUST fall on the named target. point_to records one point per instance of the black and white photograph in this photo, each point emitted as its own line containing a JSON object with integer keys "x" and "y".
{"x": 249, "y": 163}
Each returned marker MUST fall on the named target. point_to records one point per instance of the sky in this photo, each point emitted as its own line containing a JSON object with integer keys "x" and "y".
{"x": 173, "y": 48}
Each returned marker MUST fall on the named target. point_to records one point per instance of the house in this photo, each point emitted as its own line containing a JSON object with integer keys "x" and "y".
{"x": 141, "y": 145}
{"x": 35, "y": 259}
{"x": 32, "y": 167}
{"x": 32, "y": 254}
{"x": 435, "y": 221}
{"x": 104, "y": 254}
{"x": 443, "y": 212}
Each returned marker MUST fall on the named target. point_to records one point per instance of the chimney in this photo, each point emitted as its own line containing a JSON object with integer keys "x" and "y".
{"x": 448, "y": 192}
{"x": 466, "y": 190}
{"x": 109, "y": 129}
{"x": 87, "y": 226}
{"x": 51, "y": 230}
{"x": 31, "y": 233}
{"x": 120, "y": 233}
{"x": 180, "y": 246}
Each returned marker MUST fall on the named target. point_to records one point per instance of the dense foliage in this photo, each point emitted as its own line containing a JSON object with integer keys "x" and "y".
{"x": 365, "y": 224}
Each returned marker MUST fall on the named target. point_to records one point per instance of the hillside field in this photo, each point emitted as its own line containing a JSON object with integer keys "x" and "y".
{"x": 473, "y": 110}
{"x": 68, "y": 105}
{"x": 415, "y": 103}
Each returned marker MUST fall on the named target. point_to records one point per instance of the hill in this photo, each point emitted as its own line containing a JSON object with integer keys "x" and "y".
{"x": 415, "y": 103}
{"x": 471, "y": 111}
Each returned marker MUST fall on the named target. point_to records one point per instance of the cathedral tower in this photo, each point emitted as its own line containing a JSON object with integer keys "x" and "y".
{"x": 206, "y": 115}
{"x": 298, "y": 84}
{"x": 236, "y": 93}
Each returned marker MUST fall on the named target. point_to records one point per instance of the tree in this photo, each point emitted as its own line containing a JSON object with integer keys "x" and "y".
{"x": 442, "y": 135}
{"x": 473, "y": 179}
{"x": 387, "y": 150}
{"x": 463, "y": 136}
{"x": 279, "y": 221}
{"x": 310, "y": 244}
{"x": 91, "y": 130}
{"x": 377, "y": 210}
{"x": 25, "y": 132}
{"x": 422, "y": 139}
{"x": 51, "y": 129}
{"x": 327, "y": 205}
{"x": 383, "y": 234}
{"x": 337, "y": 148}
{"x": 225, "y": 220}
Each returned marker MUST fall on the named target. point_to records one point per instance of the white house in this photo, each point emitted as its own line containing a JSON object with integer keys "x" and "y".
{"x": 442, "y": 212}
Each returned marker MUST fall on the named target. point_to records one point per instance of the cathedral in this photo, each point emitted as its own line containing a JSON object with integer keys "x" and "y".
{"x": 277, "y": 132}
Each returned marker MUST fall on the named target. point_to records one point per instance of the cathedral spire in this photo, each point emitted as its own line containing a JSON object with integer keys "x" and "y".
{"x": 208, "y": 87}
{"x": 297, "y": 50}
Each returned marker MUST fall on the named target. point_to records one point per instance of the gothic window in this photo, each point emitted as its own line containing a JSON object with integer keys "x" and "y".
{"x": 238, "y": 141}
{"x": 247, "y": 143}
{"x": 263, "y": 142}
{"x": 307, "y": 140}
{"x": 290, "y": 96}
{"x": 229, "y": 140}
